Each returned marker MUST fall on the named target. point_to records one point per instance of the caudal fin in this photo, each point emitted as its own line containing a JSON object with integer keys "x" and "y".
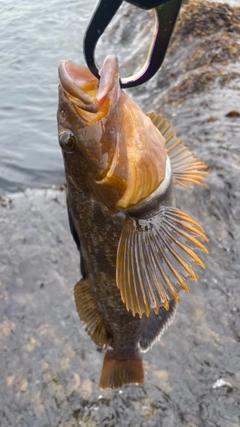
{"x": 117, "y": 372}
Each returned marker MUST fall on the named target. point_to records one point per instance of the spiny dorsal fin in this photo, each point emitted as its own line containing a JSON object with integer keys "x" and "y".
{"x": 155, "y": 258}
{"x": 88, "y": 313}
{"x": 186, "y": 168}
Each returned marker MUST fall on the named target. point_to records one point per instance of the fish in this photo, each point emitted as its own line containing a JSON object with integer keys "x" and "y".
{"x": 137, "y": 249}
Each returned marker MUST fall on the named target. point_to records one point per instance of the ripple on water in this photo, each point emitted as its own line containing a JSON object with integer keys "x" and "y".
{"x": 35, "y": 36}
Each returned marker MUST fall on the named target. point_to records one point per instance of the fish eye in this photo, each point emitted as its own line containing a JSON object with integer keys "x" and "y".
{"x": 67, "y": 141}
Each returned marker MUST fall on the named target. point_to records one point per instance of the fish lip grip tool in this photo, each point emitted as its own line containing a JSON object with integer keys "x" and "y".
{"x": 166, "y": 13}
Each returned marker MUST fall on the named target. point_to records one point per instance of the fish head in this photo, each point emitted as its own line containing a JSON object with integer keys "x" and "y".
{"x": 86, "y": 119}
{"x": 112, "y": 151}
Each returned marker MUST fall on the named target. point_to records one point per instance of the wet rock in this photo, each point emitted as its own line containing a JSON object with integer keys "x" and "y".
{"x": 49, "y": 366}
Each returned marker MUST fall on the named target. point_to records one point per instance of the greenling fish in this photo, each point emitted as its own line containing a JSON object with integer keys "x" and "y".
{"x": 137, "y": 248}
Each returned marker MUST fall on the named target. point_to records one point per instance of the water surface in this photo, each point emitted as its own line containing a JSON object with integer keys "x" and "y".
{"x": 35, "y": 37}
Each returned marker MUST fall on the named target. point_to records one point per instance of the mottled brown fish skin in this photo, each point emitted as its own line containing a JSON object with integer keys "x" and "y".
{"x": 97, "y": 232}
{"x": 99, "y": 237}
{"x": 137, "y": 248}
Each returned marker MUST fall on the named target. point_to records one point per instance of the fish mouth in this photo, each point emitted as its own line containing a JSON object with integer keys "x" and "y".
{"x": 92, "y": 98}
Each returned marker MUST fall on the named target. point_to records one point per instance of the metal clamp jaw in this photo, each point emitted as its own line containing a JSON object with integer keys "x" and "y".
{"x": 166, "y": 12}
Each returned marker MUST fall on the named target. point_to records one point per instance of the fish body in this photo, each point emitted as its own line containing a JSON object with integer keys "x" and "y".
{"x": 136, "y": 247}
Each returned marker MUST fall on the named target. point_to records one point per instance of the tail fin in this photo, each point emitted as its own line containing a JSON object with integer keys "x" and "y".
{"x": 116, "y": 372}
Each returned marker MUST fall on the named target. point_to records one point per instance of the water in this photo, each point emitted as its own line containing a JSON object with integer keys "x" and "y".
{"x": 34, "y": 38}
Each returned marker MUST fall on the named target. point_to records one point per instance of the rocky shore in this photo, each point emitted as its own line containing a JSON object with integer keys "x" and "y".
{"x": 49, "y": 366}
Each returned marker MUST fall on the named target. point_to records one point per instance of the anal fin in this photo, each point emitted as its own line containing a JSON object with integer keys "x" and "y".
{"x": 156, "y": 325}
{"x": 88, "y": 312}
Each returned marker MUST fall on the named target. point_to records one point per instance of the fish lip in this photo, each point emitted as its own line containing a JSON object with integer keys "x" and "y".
{"x": 74, "y": 79}
{"x": 70, "y": 78}
{"x": 109, "y": 85}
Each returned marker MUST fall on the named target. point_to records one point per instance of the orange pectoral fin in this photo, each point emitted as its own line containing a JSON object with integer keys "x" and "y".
{"x": 155, "y": 258}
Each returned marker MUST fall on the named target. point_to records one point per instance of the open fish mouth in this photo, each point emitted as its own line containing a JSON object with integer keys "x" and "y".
{"x": 91, "y": 98}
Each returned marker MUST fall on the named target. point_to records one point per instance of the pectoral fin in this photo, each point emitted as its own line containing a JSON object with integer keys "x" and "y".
{"x": 88, "y": 312}
{"x": 155, "y": 258}
{"x": 186, "y": 168}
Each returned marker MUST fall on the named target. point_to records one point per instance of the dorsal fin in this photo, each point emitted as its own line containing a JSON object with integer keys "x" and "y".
{"x": 186, "y": 168}
{"x": 88, "y": 312}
